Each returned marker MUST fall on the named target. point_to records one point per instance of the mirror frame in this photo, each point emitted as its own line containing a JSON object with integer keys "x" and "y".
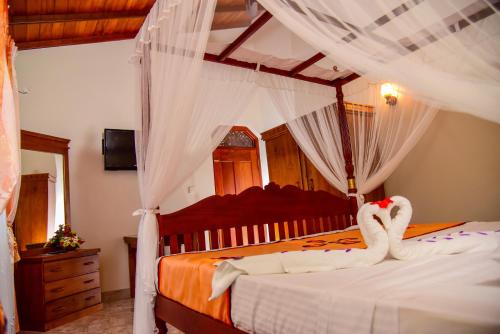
{"x": 34, "y": 141}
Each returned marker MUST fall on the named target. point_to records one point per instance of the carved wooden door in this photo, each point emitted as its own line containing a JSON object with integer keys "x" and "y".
{"x": 237, "y": 162}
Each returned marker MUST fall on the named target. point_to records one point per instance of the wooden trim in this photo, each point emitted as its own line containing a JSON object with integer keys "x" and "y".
{"x": 237, "y": 6}
{"x": 73, "y": 17}
{"x": 41, "y": 255}
{"x": 252, "y": 29}
{"x": 27, "y": 45}
{"x": 356, "y": 107}
{"x": 345, "y": 80}
{"x": 274, "y": 132}
{"x": 305, "y": 64}
{"x": 34, "y": 141}
{"x": 73, "y": 316}
{"x": 188, "y": 320}
{"x": 266, "y": 69}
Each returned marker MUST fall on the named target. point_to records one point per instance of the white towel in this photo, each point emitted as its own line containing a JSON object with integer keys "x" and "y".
{"x": 462, "y": 242}
{"x": 311, "y": 260}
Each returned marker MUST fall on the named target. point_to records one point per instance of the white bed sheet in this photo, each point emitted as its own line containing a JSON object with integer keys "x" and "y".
{"x": 440, "y": 294}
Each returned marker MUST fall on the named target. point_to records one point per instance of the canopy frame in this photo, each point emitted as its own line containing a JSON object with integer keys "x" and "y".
{"x": 223, "y": 58}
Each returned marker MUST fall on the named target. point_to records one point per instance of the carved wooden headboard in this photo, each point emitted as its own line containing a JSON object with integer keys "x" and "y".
{"x": 234, "y": 220}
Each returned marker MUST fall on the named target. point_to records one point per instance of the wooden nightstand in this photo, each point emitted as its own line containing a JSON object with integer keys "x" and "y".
{"x": 53, "y": 289}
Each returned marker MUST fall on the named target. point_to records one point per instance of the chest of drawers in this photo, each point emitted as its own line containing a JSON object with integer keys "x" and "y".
{"x": 53, "y": 289}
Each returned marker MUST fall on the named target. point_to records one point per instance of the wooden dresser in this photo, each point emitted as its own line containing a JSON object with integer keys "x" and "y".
{"x": 53, "y": 289}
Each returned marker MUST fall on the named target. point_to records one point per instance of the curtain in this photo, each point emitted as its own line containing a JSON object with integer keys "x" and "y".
{"x": 9, "y": 168}
{"x": 186, "y": 110}
{"x": 170, "y": 48}
{"x": 444, "y": 51}
{"x": 381, "y": 135}
{"x": 317, "y": 134}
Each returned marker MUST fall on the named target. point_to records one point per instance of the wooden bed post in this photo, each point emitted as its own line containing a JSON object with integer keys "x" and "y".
{"x": 347, "y": 151}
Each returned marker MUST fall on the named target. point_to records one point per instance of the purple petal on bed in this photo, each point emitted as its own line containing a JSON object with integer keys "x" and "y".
{"x": 348, "y": 250}
{"x": 430, "y": 240}
{"x": 434, "y": 237}
{"x": 483, "y": 233}
{"x": 448, "y": 238}
{"x": 464, "y": 234}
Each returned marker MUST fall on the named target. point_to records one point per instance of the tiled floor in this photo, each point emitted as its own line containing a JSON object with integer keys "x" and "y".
{"x": 115, "y": 318}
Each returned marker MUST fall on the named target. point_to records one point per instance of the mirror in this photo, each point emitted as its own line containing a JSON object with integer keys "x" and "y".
{"x": 44, "y": 194}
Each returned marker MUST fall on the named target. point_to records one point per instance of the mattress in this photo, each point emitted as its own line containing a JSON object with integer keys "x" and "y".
{"x": 445, "y": 294}
{"x": 187, "y": 278}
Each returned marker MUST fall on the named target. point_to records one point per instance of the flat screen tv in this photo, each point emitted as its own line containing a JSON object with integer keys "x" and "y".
{"x": 119, "y": 150}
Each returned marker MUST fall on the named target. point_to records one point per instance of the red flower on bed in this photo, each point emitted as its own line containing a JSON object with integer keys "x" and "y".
{"x": 383, "y": 203}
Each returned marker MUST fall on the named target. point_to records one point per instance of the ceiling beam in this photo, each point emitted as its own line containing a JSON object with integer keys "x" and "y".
{"x": 302, "y": 66}
{"x": 72, "y": 17}
{"x": 344, "y": 80}
{"x": 237, "y": 6}
{"x": 265, "y": 69}
{"x": 73, "y": 41}
{"x": 266, "y": 16}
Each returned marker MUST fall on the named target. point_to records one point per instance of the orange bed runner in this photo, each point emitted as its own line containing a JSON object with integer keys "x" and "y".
{"x": 187, "y": 278}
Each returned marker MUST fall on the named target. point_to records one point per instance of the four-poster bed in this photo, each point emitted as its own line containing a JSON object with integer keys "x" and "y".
{"x": 321, "y": 128}
{"x": 284, "y": 212}
{"x": 287, "y": 207}
{"x": 294, "y": 73}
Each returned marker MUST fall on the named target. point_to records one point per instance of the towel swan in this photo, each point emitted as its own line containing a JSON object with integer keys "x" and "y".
{"x": 461, "y": 242}
{"x": 373, "y": 233}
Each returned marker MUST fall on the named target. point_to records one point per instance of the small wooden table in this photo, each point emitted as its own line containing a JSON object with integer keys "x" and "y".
{"x": 131, "y": 242}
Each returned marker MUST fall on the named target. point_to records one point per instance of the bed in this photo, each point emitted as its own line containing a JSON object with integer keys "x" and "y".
{"x": 303, "y": 303}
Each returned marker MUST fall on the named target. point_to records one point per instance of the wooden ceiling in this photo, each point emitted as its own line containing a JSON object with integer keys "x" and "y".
{"x": 47, "y": 23}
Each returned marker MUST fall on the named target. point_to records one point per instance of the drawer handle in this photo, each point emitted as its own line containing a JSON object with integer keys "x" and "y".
{"x": 88, "y": 281}
{"x": 57, "y": 290}
{"x": 88, "y": 263}
{"x": 57, "y": 309}
{"x": 55, "y": 270}
{"x": 89, "y": 298}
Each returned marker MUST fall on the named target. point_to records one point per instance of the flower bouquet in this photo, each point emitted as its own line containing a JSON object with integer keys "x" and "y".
{"x": 64, "y": 239}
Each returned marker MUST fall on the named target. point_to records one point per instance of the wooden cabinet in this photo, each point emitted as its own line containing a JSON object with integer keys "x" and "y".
{"x": 53, "y": 289}
{"x": 283, "y": 157}
{"x": 287, "y": 164}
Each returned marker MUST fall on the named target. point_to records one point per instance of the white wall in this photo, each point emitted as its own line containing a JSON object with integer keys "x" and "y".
{"x": 77, "y": 91}
{"x": 259, "y": 116}
{"x": 34, "y": 162}
{"x": 453, "y": 173}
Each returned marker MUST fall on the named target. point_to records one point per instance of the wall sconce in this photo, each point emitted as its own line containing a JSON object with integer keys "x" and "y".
{"x": 390, "y": 93}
